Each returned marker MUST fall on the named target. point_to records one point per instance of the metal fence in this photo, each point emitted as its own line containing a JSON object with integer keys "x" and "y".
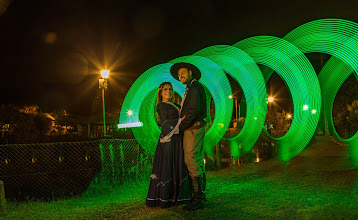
{"x": 53, "y": 170}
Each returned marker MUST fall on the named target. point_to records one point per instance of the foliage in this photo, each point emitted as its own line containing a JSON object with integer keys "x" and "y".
{"x": 280, "y": 123}
{"x": 346, "y": 120}
{"x": 26, "y": 125}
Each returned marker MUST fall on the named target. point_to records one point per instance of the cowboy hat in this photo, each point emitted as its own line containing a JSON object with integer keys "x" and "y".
{"x": 176, "y": 67}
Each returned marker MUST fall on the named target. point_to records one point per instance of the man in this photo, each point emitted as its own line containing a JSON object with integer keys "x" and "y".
{"x": 193, "y": 107}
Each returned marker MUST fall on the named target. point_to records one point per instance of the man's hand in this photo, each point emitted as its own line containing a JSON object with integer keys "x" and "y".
{"x": 176, "y": 129}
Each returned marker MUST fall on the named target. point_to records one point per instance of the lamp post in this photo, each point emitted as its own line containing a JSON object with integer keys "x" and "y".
{"x": 270, "y": 102}
{"x": 236, "y": 109}
{"x": 103, "y": 84}
{"x": 235, "y": 101}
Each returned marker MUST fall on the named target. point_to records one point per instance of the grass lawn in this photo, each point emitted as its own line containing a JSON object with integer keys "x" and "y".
{"x": 314, "y": 185}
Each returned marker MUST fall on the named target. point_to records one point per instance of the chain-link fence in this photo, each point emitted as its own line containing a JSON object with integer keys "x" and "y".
{"x": 55, "y": 170}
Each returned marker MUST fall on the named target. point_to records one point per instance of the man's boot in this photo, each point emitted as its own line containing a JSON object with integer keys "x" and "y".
{"x": 198, "y": 198}
{"x": 203, "y": 188}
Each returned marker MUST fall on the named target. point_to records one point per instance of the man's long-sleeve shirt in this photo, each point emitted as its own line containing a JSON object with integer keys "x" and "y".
{"x": 194, "y": 106}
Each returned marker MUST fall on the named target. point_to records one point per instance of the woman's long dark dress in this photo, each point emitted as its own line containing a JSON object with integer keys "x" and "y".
{"x": 170, "y": 183}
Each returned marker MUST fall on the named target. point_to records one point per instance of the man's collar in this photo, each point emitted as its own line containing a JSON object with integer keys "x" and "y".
{"x": 191, "y": 82}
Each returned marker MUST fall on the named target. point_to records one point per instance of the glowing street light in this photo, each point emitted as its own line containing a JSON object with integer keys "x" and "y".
{"x": 230, "y": 96}
{"x": 289, "y": 116}
{"x": 105, "y": 74}
{"x": 314, "y": 111}
{"x": 270, "y": 99}
{"x": 305, "y": 108}
{"x": 103, "y": 84}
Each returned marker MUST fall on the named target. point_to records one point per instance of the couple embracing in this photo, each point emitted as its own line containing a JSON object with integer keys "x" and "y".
{"x": 178, "y": 174}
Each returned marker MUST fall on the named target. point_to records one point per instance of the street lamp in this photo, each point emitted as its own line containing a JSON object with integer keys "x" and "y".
{"x": 235, "y": 101}
{"x": 270, "y": 103}
{"x": 103, "y": 84}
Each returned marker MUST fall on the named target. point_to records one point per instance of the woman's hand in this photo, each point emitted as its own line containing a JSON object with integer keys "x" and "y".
{"x": 168, "y": 137}
{"x": 165, "y": 139}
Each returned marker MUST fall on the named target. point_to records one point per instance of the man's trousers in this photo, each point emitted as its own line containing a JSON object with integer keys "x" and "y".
{"x": 193, "y": 144}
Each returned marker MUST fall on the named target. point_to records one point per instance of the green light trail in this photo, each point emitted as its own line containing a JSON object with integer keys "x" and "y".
{"x": 140, "y": 101}
{"x": 297, "y": 72}
{"x": 285, "y": 56}
{"x": 245, "y": 71}
{"x": 339, "y": 38}
{"x": 219, "y": 87}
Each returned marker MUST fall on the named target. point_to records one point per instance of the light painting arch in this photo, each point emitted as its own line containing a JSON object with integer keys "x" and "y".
{"x": 285, "y": 56}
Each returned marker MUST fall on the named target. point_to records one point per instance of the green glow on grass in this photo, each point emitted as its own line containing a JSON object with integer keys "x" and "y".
{"x": 247, "y": 74}
{"x": 297, "y": 72}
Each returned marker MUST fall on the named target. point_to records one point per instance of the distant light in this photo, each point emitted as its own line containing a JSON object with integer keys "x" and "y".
{"x": 314, "y": 111}
{"x": 220, "y": 125}
{"x": 105, "y": 74}
{"x": 230, "y": 96}
{"x": 289, "y": 116}
{"x": 257, "y": 160}
{"x": 305, "y": 108}
{"x": 130, "y": 125}
{"x": 50, "y": 37}
{"x": 255, "y": 118}
{"x": 204, "y": 161}
{"x": 270, "y": 99}
{"x": 130, "y": 113}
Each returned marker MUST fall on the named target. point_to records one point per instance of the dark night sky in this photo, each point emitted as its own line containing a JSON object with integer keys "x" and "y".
{"x": 52, "y": 50}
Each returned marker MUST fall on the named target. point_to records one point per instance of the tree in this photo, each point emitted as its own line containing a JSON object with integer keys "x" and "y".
{"x": 26, "y": 124}
{"x": 280, "y": 121}
{"x": 346, "y": 121}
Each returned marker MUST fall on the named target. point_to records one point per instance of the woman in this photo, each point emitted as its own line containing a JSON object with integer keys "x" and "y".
{"x": 170, "y": 182}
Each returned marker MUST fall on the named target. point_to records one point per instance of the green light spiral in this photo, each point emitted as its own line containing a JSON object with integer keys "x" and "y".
{"x": 245, "y": 71}
{"x": 285, "y": 56}
{"x": 297, "y": 72}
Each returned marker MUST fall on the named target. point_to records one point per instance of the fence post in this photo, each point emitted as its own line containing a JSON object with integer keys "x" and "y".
{"x": 2, "y": 197}
{"x": 139, "y": 166}
{"x": 122, "y": 160}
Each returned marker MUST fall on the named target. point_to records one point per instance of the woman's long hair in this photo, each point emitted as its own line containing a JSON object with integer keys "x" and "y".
{"x": 160, "y": 98}
{"x": 160, "y": 89}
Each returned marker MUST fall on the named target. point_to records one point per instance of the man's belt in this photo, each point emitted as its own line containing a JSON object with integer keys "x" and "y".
{"x": 197, "y": 125}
